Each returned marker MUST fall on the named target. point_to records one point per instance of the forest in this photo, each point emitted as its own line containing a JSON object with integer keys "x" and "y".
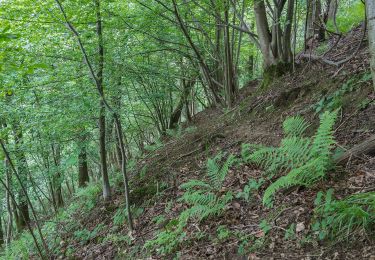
{"x": 187, "y": 129}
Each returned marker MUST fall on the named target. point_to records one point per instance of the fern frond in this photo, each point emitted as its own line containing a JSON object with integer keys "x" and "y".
{"x": 248, "y": 149}
{"x": 198, "y": 197}
{"x": 263, "y": 156}
{"x": 217, "y": 173}
{"x": 195, "y": 184}
{"x": 295, "y": 126}
{"x": 295, "y": 151}
{"x": 306, "y": 159}
{"x": 323, "y": 139}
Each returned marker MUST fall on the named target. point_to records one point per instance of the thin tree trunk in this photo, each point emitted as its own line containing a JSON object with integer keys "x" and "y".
{"x": 123, "y": 169}
{"x": 205, "y": 70}
{"x": 22, "y": 169}
{"x": 228, "y": 68}
{"x": 2, "y": 237}
{"x": 176, "y": 114}
{"x": 102, "y": 132}
{"x": 370, "y": 13}
{"x": 8, "y": 201}
{"x": 83, "y": 173}
{"x": 332, "y": 12}
{"x": 313, "y": 27}
{"x": 57, "y": 178}
{"x": 287, "y": 39}
{"x": 27, "y": 224}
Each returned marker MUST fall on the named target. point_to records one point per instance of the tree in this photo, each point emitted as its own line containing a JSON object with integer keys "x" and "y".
{"x": 83, "y": 173}
{"x": 314, "y": 28}
{"x": 275, "y": 40}
{"x": 97, "y": 78}
{"x": 370, "y": 13}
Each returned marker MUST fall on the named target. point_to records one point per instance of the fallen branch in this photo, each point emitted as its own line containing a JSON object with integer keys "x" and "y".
{"x": 336, "y": 63}
{"x": 367, "y": 147}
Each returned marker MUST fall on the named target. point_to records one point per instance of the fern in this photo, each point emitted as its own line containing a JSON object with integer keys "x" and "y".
{"x": 341, "y": 219}
{"x": 202, "y": 196}
{"x": 295, "y": 126}
{"x": 217, "y": 174}
{"x": 203, "y": 200}
{"x": 305, "y": 160}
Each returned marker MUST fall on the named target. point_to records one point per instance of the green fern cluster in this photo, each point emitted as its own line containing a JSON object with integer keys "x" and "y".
{"x": 305, "y": 160}
{"x": 204, "y": 200}
{"x": 202, "y": 196}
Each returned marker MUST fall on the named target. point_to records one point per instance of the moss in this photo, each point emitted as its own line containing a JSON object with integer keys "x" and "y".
{"x": 273, "y": 72}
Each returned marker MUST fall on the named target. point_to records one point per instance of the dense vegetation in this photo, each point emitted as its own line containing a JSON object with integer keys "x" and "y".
{"x": 90, "y": 90}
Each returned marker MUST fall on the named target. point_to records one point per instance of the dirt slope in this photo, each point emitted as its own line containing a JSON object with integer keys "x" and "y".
{"x": 257, "y": 119}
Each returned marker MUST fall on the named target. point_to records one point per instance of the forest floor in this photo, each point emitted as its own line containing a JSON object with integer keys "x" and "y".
{"x": 256, "y": 118}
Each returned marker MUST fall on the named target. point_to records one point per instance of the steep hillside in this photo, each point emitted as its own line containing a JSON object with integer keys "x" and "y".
{"x": 245, "y": 229}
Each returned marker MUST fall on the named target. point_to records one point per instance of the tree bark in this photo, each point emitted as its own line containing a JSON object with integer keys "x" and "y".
{"x": 367, "y": 147}
{"x": 28, "y": 201}
{"x": 57, "y": 178}
{"x": 263, "y": 33}
{"x": 22, "y": 168}
{"x": 332, "y": 12}
{"x": 205, "y": 70}
{"x": 8, "y": 201}
{"x": 102, "y": 132}
{"x": 83, "y": 173}
{"x": 176, "y": 114}
{"x": 2, "y": 237}
{"x": 314, "y": 9}
{"x": 370, "y": 13}
{"x": 229, "y": 84}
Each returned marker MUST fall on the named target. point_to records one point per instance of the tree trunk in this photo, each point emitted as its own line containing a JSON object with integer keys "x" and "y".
{"x": 332, "y": 9}
{"x": 99, "y": 87}
{"x": 83, "y": 173}
{"x": 2, "y": 237}
{"x": 367, "y": 147}
{"x": 264, "y": 33}
{"x": 28, "y": 201}
{"x": 314, "y": 10}
{"x": 102, "y": 132}
{"x": 8, "y": 201}
{"x": 286, "y": 46}
{"x": 370, "y": 13}
{"x": 332, "y": 12}
{"x": 229, "y": 84}
{"x": 204, "y": 67}
{"x": 22, "y": 168}
{"x": 57, "y": 178}
{"x": 123, "y": 170}
{"x": 275, "y": 44}
{"x": 176, "y": 114}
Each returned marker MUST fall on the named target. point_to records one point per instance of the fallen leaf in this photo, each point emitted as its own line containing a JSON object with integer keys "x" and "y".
{"x": 300, "y": 227}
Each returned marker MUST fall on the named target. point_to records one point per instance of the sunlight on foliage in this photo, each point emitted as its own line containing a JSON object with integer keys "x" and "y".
{"x": 349, "y": 15}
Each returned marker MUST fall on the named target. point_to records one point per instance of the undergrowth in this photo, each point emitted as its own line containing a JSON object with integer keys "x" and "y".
{"x": 301, "y": 160}
{"x": 341, "y": 219}
{"x": 64, "y": 221}
{"x": 203, "y": 199}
